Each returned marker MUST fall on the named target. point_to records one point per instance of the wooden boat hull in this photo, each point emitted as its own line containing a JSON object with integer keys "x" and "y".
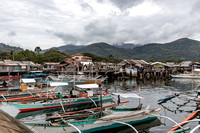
{"x": 10, "y": 77}
{"x": 71, "y": 103}
{"x": 28, "y": 97}
{"x": 192, "y": 115}
{"x": 95, "y": 125}
{"x": 167, "y": 98}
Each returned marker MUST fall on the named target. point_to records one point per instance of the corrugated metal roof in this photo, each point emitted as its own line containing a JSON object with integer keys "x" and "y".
{"x": 134, "y": 62}
{"x": 58, "y": 83}
{"x": 90, "y": 86}
{"x": 51, "y": 63}
{"x": 28, "y": 80}
{"x": 158, "y": 63}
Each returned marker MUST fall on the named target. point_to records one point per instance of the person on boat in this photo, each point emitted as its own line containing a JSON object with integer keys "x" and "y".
{"x": 118, "y": 99}
{"x": 5, "y": 83}
{"x": 59, "y": 95}
{"x": 198, "y": 95}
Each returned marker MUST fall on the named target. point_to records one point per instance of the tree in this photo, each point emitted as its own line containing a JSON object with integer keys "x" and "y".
{"x": 53, "y": 55}
{"x": 12, "y": 52}
{"x": 5, "y": 56}
{"x": 25, "y": 55}
{"x": 38, "y": 49}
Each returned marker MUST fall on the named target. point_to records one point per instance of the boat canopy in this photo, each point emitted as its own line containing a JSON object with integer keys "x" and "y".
{"x": 28, "y": 81}
{"x": 126, "y": 95}
{"x": 196, "y": 70}
{"x": 58, "y": 83}
{"x": 85, "y": 86}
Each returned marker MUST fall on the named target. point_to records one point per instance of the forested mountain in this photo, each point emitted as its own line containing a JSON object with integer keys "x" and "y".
{"x": 125, "y": 45}
{"x": 65, "y": 47}
{"x": 7, "y": 48}
{"x": 181, "y": 49}
{"x": 102, "y": 49}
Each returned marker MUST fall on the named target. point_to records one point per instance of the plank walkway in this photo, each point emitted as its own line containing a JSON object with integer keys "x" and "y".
{"x": 8, "y": 124}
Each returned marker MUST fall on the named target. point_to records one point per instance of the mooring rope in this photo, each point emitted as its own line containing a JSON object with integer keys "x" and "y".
{"x": 93, "y": 101}
{"x": 169, "y": 119}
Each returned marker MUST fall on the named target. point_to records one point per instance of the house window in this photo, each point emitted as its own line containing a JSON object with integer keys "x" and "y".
{"x": 4, "y": 67}
{"x": 16, "y": 67}
{"x": 23, "y": 67}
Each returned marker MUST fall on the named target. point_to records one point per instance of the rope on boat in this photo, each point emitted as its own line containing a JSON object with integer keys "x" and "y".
{"x": 62, "y": 106}
{"x": 30, "y": 93}
{"x": 194, "y": 120}
{"x": 74, "y": 127}
{"x": 169, "y": 119}
{"x": 93, "y": 101}
{"x": 69, "y": 123}
{"x": 39, "y": 96}
{"x": 3, "y": 96}
{"x": 194, "y": 129}
{"x": 126, "y": 124}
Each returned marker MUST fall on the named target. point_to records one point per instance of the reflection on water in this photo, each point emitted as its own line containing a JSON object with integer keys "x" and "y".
{"x": 177, "y": 108}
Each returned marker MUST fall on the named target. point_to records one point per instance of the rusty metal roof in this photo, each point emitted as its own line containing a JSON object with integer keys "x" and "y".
{"x": 135, "y": 62}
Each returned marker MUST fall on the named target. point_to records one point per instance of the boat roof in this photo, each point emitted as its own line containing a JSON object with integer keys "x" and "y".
{"x": 85, "y": 86}
{"x": 28, "y": 80}
{"x": 58, "y": 83}
{"x": 126, "y": 95}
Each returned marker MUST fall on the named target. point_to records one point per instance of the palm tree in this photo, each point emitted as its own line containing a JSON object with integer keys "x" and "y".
{"x": 38, "y": 49}
{"x": 12, "y": 52}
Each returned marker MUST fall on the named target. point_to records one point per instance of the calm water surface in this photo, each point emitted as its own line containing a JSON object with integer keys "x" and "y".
{"x": 152, "y": 91}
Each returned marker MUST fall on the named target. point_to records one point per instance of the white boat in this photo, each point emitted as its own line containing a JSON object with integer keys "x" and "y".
{"x": 195, "y": 74}
{"x": 187, "y": 76}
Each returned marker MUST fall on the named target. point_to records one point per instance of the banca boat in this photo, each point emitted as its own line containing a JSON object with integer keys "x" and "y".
{"x": 110, "y": 119}
{"x": 69, "y": 102}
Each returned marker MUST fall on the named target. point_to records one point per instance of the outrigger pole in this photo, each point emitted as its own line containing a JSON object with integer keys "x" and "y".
{"x": 100, "y": 99}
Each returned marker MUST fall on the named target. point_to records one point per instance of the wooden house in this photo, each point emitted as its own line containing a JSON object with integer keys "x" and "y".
{"x": 50, "y": 66}
{"x": 17, "y": 67}
{"x": 130, "y": 66}
{"x": 81, "y": 58}
{"x": 158, "y": 66}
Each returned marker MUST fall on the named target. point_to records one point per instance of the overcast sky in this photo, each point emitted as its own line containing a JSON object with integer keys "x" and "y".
{"x": 49, "y": 23}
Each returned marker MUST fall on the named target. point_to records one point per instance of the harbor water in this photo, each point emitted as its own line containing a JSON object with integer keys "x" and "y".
{"x": 177, "y": 108}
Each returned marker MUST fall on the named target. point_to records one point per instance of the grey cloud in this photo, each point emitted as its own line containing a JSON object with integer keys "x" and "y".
{"x": 100, "y": 29}
{"x": 30, "y": 19}
{"x": 85, "y": 6}
{"x": 66, "y": 37}
{"x": 196, "y": 7}
{"x": 12, "y": 34}
{"x": 124, "y": 4}
{"x": 97, "y": 30}
{"x": 41, "y": 4}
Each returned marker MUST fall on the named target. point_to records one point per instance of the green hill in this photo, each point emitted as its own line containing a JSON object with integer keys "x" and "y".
{"x": 7, "y": 48}
{"x": 181, "y": 49}
{"x": 102, "y": 49}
